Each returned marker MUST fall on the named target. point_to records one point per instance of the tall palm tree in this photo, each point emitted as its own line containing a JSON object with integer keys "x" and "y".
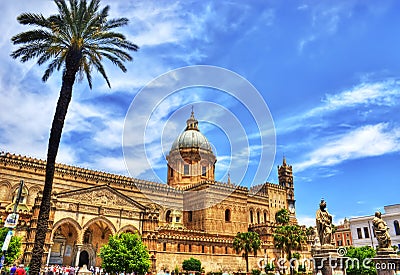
{"x": 247, "y": 242}
{"x": 288, "y": 238}
{"x": 77, "y": 39}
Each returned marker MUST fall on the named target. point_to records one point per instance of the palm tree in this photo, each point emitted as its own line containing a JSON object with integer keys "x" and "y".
{"x": 282, "y": 216}
{"x": 247, "y": 242}
{"x": 288, "y": 238}
{"x": 77, "y": 39}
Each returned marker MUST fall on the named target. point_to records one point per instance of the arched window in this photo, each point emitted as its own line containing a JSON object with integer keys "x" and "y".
{"x": 168, "y": 217}
{"x": 24, "y": 195}
{"x": 258, "y": 217}
{"x": 396, "y": 227}
{"x": 179, "y": 247}
{"x": 265, "y": 217}
{"x": 227, "y": 215}
{"x": 164, "y": 246}
{"x": 251, "y": 216}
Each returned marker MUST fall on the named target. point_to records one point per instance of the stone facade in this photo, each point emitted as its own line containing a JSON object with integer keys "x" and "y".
{"x": 190, "y": 216}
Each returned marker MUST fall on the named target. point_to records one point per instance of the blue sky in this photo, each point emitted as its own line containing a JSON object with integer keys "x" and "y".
{"x": 327, "y": 70}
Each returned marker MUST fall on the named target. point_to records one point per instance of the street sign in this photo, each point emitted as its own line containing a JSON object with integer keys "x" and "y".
{"x": 12, "y": 220}
{"x": 7, "y": 241}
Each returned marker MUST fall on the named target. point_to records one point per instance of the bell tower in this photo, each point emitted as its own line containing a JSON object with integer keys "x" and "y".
{"x": 285, "y": 177}
{"x": 191, "y": 158}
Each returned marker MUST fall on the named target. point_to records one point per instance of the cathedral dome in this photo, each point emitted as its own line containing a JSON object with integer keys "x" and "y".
{"x": 191, "y": 137}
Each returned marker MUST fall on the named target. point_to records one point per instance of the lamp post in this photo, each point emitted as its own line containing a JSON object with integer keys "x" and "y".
{"x": 11, "y": 223}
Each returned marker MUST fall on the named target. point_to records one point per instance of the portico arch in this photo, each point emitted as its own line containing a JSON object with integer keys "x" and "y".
{"x": 95, "y": 234}
{"x": 70, "y": 222}
{"x": 100, "y": 220}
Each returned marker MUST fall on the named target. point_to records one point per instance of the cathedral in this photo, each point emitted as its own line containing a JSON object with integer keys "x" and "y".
{"x": 191, "y": 216}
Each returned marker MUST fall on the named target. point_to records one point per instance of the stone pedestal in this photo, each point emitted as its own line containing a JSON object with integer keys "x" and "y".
{"x": 387, "y": 262}
{"x": 327, "y": 261}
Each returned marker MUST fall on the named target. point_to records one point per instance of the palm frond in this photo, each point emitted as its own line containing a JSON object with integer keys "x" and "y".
{"x": 31, "y": 36}
{"x": 101, "y": 70}
{"x": 55, "y": 64}
{"x": 115, "y": 23}
{"x": 33, "y": 19}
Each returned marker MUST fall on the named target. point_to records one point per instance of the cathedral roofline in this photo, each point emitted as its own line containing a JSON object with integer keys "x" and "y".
{"x": 83, "y": 173}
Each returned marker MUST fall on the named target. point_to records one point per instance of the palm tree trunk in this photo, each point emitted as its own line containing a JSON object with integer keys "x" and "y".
{"x": 291, "y": 270}
{"x": 72, "y": 66}
{"x": 246, "y": 257}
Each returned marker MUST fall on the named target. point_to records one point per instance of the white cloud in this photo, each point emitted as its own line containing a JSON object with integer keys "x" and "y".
{"x": 382, "y": 94}
{"x": 365, "y": 141}
{"x": 306, "y": 220}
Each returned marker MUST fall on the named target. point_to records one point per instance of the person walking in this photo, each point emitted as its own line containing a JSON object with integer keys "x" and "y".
{"x": 13, "y": 269}
{"x": 20, "y": 270}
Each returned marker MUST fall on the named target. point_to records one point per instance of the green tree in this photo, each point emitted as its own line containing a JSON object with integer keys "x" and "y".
{"x": 191, "y": 264}
{"x": 288, "y": 238}
{"x": 360, "y": 262}
{"x": 269, "y": 267}
{"x": 125, "y": 252}
{"x": 77, "y": 39}
{"x": 282, "y": 217}
{"x": 246, "y": 242}
{"x": 14, "y": 248}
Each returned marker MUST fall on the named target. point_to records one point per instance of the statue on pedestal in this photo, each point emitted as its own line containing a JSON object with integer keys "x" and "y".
{"x": 324, "y": 224}
{"x": 381, "y": 231}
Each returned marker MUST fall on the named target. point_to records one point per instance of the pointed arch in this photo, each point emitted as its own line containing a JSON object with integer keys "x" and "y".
{"x": 100, "y": 219}
{"x": 70, "y": 221}
{"x": 5, "y": 188}
{"x": 32, "y": 194}
{"x": 128, "y": 228}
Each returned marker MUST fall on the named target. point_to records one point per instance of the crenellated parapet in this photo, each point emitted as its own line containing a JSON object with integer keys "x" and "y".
{"x": 262, "y": 189}
{"x": 215, "y": 184}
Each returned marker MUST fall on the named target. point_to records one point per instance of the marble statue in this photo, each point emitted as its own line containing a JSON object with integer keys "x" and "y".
{"x": 324, "y": 224}
{"x": 381, "y": 231}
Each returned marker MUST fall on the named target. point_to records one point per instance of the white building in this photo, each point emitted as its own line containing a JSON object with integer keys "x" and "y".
{"x": 362, "y": 229}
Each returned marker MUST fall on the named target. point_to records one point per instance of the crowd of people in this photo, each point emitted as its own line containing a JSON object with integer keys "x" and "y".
{"x": 20, "y": 270}
{"x": 51, "y": 270}
{"x": 69, "y": 270}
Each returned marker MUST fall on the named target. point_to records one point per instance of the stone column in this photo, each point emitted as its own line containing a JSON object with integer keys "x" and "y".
{"x": 327, "y": 261}
{"x": 48, "y": 256}
{"x": 78, "y": 253}
{"x": 387, "y": 262}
